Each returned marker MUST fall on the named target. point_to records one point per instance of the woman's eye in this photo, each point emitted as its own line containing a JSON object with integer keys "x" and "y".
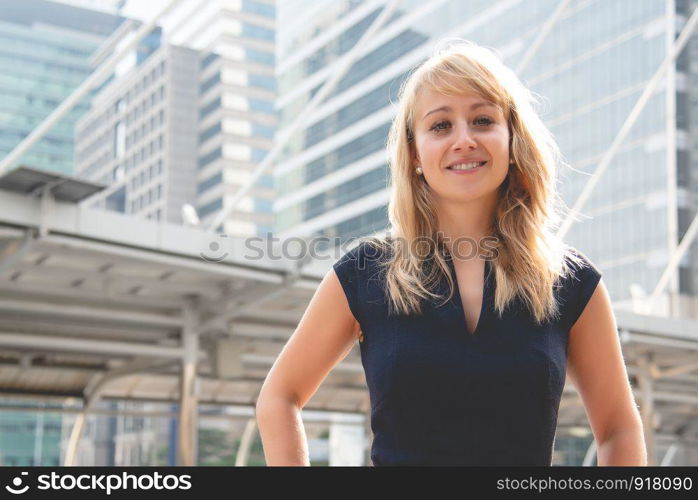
{"x": 440, "y": 126}
{"x": 483, "y": 120}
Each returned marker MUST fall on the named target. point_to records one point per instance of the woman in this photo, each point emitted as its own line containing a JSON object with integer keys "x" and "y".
{"x": 471, "y": 312}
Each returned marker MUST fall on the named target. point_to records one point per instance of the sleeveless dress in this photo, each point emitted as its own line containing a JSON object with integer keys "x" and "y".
{"x": 442, "y": 396}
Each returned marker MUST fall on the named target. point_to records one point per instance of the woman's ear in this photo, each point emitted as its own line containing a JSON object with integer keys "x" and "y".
{"x": 415, "y": 158}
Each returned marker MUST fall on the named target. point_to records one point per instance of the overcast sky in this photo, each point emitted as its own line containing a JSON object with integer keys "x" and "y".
{"x": 193, "y": 20}
{"x": 144, "y": 10}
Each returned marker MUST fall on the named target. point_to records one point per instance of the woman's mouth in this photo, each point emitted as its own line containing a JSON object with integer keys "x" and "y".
{"x": 466, "y": 168}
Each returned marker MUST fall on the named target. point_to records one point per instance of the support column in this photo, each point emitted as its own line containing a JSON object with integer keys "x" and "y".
{"x": 71, "y": 452}
{"x": 188, "y": 405}
{"x": 368, "y": 431}
{"x": 590, "y": 454}
{"x": 646, "y": 385}
{"x": 246, "y": 440}
{"x": 669, "y": 455}
{"x": 39, "y": 438}
{"x": 92, "y": 395}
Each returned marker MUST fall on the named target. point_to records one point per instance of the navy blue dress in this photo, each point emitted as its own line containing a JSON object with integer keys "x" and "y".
{"x": 442, "y": 396}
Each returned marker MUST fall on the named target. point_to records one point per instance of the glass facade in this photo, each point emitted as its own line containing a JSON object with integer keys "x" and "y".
{"x": 44, "y": 52}
{"x": 587, "y": 77}
{"x": 29, "y": 438}
{"x": 687, "y": 157}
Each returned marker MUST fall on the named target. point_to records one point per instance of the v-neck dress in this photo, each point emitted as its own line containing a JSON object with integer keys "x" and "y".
{"x": 443, "y": 396}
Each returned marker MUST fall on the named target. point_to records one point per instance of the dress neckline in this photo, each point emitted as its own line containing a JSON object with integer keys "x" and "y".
{"x": 458, "y": 302}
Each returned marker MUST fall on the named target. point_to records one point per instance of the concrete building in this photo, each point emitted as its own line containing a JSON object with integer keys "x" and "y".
{"x": 44, "y": 55}
{"x": 212, "y": 120}
{"x": 139, "y": 137}
{"x": 223, "y": 125}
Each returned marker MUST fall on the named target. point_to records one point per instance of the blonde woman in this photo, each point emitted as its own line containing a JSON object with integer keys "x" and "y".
{"x": 471, "y": 312}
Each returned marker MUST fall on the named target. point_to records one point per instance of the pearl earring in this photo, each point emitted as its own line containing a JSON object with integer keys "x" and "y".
{"x": 419, "y": 170}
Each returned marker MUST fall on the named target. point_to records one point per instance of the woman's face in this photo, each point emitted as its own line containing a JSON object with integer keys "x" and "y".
{"x": 455, "y": 131}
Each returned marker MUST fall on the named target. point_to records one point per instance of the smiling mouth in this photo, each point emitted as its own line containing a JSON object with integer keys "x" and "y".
{"x": 479, "y": 164}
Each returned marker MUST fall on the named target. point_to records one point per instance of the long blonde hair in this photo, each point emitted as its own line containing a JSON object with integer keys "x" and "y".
{"x": 529, "y": 256}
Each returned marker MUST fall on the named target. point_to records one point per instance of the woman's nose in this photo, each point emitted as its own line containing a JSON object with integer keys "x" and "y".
{"x": 464, "y": 139}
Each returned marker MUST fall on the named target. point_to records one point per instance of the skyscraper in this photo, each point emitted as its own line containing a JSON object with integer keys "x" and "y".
{"x": 222, "y": 99}
{"x": 237, "y": 119}
{"x": 139, "y": 137}
{"x": 44, "y": 55}
{"x": 589, "y": 72}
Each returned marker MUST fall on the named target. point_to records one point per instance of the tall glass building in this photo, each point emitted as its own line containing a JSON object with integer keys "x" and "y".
{"x": 590, "y": 71}
{"x": 30, "y": 434}
{"x": 44, "y": 55}
{"x": 237, "y": 119}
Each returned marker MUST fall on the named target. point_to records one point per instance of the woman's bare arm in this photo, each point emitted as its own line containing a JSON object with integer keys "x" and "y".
{"x": 325, "y": 335}
{"x": 597, "y": 370}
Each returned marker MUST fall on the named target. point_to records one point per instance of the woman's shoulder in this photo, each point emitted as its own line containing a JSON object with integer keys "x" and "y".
{"x": 358, "y": 270}
{"x": 579, "y": 283}
{"x": 363, "y": 254}
{"x": 579, "y": 266}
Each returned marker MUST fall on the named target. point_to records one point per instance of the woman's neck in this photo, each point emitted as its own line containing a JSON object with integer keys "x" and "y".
{"x": 465, "y": 225}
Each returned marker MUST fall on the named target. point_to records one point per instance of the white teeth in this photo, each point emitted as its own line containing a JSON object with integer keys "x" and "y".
{"x": 467, "y": 166}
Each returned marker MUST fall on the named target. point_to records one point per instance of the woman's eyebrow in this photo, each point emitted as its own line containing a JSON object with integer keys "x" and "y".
{"x": 476, "y": 105}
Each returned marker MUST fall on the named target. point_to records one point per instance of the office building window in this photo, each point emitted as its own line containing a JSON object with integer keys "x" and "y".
{"x": 119, "y": 139}
{"x": 210, "y": 107}
{"x": 210, "y": 83}
{"x": 262, "y": 81}
{"x": 259, "y": 56}
{"x": 261, "y": 105}
{"x": 207, "y": 184}
{"x": 259, "y": 8}
{"x": 210, "y": 207}
{"x": 210, "y": 157}
{"x": 210, "y": 132}
{"x": 257, "y": 32}
{"x": 209, "y": 59}
{"x": 262, "y": 131}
